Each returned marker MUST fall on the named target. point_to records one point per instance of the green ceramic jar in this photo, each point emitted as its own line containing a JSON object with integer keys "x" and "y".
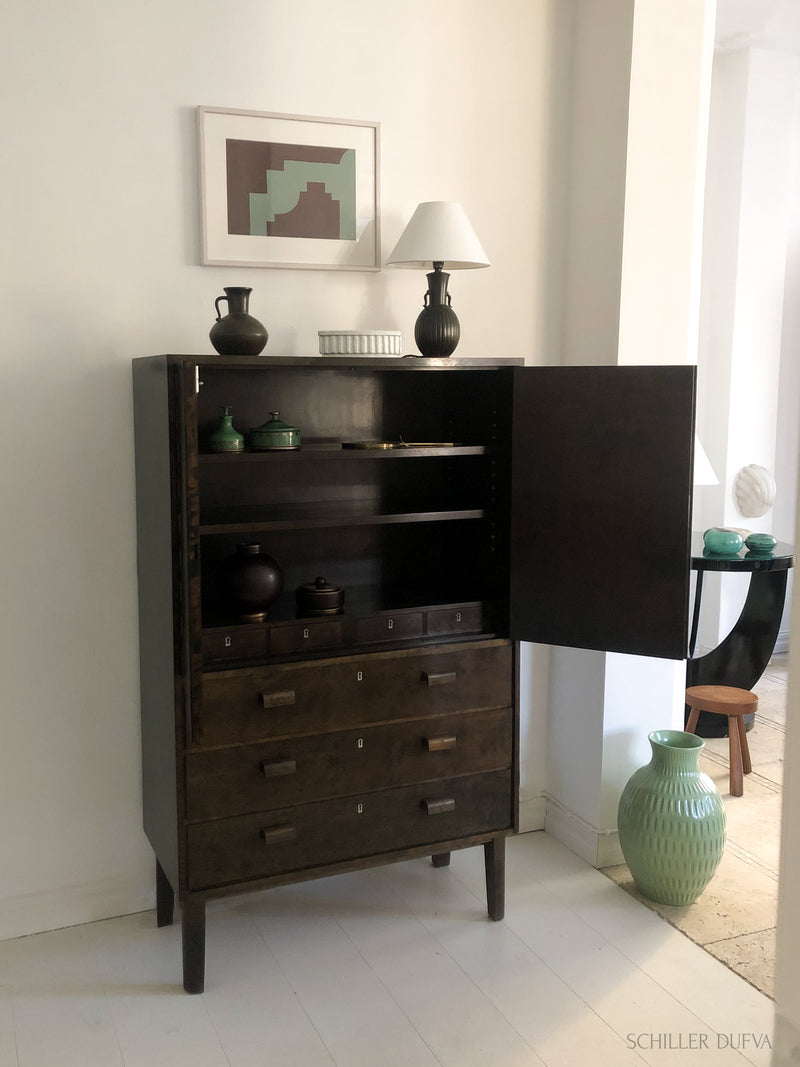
{"x": 672, "y": 821}
{"x": 225, "y": 437}
{"x": 761, "y": 544}
{"x": 720, "y": 541}
{"x": 274, "y": 436}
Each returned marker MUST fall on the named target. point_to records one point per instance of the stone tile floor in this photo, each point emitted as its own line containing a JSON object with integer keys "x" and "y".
{"x": 736, "y": 916}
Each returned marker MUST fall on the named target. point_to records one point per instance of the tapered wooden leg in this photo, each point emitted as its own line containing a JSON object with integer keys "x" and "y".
{"x": 441, "y": 859}
{"x": 747, "y": 765}
{"x": 494, "y": 858}
{"x": 735, "y": 760}
{"x": 193, "y": 931}
{"x": 165, "y": 898}
{"x": 691, "y": 722}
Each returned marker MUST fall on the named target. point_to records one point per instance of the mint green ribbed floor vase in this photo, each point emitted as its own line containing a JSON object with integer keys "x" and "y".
{"x": 671, "y": 821}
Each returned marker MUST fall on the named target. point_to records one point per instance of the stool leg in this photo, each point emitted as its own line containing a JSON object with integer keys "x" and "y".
{"x": 691, "y": 722}
{"x": 747, "y": 766}
{"x": 735, "y": 757}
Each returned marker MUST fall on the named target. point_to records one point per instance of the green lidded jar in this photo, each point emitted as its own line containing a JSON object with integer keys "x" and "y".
{"x": 274, "y": 436}
{"x": 671, "y": 821}
{"x": 225, "y": 438}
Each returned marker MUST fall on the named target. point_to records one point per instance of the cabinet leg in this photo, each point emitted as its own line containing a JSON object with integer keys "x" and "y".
{"x": 165, "y": 898}
{"x": 494, "y": 857}
{"x": 441, "y": 859}
{"x": 193, "y": 932}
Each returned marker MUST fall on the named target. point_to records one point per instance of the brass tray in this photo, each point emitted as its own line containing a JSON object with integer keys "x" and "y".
{"x": 397, "y": 444}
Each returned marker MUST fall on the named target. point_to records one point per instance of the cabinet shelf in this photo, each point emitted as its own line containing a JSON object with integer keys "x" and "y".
{"x": 338, "y": 513}
{"x": 360, "y": 601}
{"x": 321, "y": 452}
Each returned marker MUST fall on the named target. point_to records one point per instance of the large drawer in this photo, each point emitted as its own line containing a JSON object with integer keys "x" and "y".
{"x": 247, "y": 847}
{"x": 302, "y": 769}
{"x": 260, "y": 703}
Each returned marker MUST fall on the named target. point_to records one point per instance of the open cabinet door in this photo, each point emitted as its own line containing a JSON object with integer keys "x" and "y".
{"x": 601, "y": 507}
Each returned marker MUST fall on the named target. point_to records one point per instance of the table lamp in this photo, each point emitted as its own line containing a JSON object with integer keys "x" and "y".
{"x": 438, "y": 232}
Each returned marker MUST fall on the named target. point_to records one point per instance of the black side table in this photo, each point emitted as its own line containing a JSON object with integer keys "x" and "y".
{"x": 742, "y": 657}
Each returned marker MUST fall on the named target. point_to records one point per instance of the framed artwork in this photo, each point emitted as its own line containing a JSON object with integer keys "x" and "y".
{"x": 288, "y": 191}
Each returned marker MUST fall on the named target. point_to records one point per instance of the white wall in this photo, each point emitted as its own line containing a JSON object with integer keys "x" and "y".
{"x": 101, "y": 245}
{"x": 598, "y": 132}
{"x": 787, "y": 447}
{"x": 749, "y": 373}
{"x": 632, "y": 284}
{"x": 787, "y": 963}
{"x": 664, "y": 181}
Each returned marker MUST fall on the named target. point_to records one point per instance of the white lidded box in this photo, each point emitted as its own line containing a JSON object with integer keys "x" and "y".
{"x": 360, "y": 343}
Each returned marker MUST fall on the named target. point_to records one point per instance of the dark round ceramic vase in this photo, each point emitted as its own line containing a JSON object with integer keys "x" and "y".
{"x": 238, "y": 333}
{"x": 249, "y": 582}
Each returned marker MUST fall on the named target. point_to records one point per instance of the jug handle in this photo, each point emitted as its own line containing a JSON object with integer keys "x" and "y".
{"x": 216, "y": 306}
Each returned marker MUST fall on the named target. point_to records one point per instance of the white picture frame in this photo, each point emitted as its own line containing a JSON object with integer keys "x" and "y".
{"x": 288, "y": 191}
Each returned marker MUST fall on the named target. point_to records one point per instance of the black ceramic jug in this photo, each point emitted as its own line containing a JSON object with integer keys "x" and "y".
{"x": 237, "y": 333}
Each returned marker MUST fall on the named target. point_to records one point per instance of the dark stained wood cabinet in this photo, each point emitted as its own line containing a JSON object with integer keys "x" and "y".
{"x": 527, "y": 503}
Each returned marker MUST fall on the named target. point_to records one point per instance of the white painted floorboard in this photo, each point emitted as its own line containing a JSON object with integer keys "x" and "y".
{"x": 394, "y": 967}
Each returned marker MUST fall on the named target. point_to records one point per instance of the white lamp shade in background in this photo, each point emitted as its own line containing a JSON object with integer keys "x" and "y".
{"x": 439, "y": 232}
{"x": 703, "y": 471}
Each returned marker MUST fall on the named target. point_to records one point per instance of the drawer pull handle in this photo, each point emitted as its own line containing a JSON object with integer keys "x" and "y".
{"x": 439, "y": 806}
{"x": 439, "y": 744}
{"x": 278, "y": 835}
{"x": 277, "y": 700}
{"x": 278, "y": 768}
{"x": 444, "y": 678}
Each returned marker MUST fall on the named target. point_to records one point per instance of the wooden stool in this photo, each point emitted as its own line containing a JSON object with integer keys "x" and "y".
{"x": 733, "y": 702}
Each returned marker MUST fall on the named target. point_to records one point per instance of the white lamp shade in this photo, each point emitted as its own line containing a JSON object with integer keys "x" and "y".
{"x": 703, "y": 471}
{"x": 439, "y": 232}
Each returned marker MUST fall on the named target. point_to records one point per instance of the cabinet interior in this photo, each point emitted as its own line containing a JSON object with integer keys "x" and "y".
{"x": 415, "y": 526}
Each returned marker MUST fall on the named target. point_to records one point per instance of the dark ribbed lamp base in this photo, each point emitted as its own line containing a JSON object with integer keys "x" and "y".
{"x": 437, "y": 330}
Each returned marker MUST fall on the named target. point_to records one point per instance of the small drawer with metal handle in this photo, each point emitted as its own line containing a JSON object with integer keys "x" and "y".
{"x": 236, "y": 643}
{"x": 389, "y": 627}
{"x": 304, "y": 636}
{"x": 465, "y": 619}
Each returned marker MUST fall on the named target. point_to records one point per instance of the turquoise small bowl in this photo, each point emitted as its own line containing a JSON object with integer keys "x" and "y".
{"x": 762, "y": 544}
{"x": 722, "y": 542}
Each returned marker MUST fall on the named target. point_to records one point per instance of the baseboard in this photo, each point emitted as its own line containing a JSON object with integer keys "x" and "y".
{"x": 531, "y": 812}
{"x": 33, "y": 913}
{"x": 598, "y": 847}
{"x": 782, "y": 642}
